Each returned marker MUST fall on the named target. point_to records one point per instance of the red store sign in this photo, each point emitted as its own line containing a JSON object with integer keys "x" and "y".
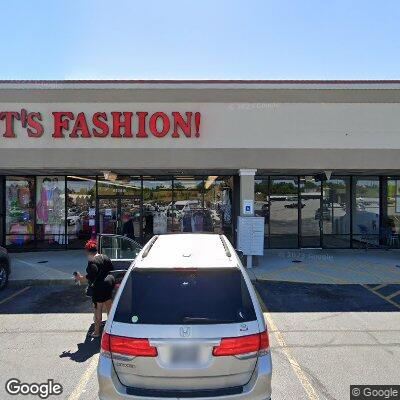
{"x": 116, "y": 124}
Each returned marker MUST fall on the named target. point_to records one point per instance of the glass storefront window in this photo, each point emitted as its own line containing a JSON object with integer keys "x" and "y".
{"x": 189, "y": 215}
{"x": 50, "y": 212}
{"x": 158, "y": 210}
{"x": 391, "y": 228}
{"x": 310, "y": 212}
{"x": 20, "y": 193}
{"x": 122, "y": 186}
{"x": 81, "y": 210}
{"x": 218, "y": 205}
{"x": 68, "y": 212}
{"x": 284, "y": 212}
{"x": 119, "y": 203}
{"x": 261, "y": 204}
{"x": 336, "y": 212}
{"x": 366, "y": 211}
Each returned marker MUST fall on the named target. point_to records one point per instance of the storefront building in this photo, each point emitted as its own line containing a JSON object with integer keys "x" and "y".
{"x": 318, "y": 160}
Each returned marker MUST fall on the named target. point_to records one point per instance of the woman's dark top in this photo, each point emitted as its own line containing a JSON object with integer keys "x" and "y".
{"x": 98, "y": 275}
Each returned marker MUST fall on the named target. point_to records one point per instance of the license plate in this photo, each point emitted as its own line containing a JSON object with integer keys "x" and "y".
{"x": 185, "y": 354}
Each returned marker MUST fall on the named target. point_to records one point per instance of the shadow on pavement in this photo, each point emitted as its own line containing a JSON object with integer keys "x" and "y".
{"x": 47, "y": 300}
{"x": 85, "y": 350}
{"x": 309, "y": 297}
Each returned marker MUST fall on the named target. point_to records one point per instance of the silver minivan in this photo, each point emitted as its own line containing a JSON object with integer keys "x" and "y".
{"x": 185, "y": 323}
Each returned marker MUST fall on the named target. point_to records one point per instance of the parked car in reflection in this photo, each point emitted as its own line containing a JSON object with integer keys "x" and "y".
{"x": 325, "y": 214}
{"x": 294, "y": 205}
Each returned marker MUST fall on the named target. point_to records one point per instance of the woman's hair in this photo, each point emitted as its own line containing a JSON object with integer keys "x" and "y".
{"x": 91, "y": 246}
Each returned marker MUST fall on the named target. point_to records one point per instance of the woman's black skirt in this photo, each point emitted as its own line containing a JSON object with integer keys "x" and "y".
{"x": 102, "y": 290}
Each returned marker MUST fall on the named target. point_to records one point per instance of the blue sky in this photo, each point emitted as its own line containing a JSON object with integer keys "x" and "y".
{"x": 293, "y": 39}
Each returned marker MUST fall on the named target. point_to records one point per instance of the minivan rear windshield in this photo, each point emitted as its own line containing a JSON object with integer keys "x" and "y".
{"x": 179, "y": 296}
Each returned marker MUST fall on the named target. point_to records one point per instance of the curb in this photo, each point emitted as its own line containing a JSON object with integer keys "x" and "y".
{"x": 40, "y": 282}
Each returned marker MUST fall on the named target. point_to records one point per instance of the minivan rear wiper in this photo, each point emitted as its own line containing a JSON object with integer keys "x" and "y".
{"x": 207, "y": 320}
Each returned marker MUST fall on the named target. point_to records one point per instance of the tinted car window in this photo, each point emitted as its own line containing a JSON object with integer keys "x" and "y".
{"x": 203, "y": 296}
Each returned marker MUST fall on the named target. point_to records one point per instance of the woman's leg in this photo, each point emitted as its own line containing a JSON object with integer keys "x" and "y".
{"x": 107, "y": 306}
{"x": 98, "y": 317}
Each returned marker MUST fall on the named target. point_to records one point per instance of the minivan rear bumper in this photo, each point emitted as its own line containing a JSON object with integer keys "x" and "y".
{"x": 259, "y": 387}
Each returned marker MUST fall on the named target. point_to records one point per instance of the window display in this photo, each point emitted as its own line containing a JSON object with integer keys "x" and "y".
{"x": 81, "y": 209}
{"x": 50, "y": 211}
{"x": 61, "y": 212}
{"x": 158, "y": 210}
{"x": 19, "y": 210}
{"x": 188, "y": 205}
{"x": 218, "y": 201}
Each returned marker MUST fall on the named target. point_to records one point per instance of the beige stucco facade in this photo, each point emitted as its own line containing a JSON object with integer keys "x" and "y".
{"x": 276, "y": 126}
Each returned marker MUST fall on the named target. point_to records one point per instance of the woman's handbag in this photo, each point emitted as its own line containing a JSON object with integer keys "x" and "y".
{"x": 89, "y": 291}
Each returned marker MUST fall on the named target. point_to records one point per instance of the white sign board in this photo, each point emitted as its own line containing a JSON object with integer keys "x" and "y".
{"x": 248, "y": 207}
{"x": 251, "y": 235}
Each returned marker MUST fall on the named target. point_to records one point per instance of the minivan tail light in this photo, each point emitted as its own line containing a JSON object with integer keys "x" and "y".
{"x": 127, "y": 346}
{"x": 242, "y": 345}
{"x": 105, "y": 342}
{"x": 264, "y": 341}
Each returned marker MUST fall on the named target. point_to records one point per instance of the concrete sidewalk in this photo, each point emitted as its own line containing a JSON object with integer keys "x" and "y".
{"x": 329, "y": 266}
{"x": 46, "y": 267}
{"x": 306, "y": 265}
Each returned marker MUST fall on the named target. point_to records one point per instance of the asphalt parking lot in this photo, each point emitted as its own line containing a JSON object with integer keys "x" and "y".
{"x": 323, "y": 338}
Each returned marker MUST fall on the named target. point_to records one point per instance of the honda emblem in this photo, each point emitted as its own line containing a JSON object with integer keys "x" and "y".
{"x": 184, "y": 331}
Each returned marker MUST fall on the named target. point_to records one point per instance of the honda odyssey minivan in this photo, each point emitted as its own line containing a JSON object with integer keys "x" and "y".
{"x": 185, "y": 323}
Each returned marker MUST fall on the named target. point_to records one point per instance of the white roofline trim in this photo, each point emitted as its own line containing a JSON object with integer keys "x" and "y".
{"x": 220, "y": 85}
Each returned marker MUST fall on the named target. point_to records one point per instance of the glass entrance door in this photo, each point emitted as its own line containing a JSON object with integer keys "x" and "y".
{"x": 120, "y": 216}
{"x": 109, "y": 216}
{"x": 311, "y": 212}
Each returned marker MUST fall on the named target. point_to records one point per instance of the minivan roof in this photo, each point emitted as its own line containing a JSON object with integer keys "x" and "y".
{"x": 187, "y": 251}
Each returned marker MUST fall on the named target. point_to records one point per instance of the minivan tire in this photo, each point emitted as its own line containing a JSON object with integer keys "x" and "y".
{"x": 4, "y": 272}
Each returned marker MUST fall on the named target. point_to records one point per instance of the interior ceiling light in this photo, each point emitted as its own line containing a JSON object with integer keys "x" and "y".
{"x": 110, "y": 176}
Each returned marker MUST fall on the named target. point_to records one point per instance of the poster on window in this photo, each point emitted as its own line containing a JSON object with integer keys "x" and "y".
{"x": 50, "y": 201}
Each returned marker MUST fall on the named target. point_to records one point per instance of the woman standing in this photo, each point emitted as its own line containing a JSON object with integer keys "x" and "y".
{"x": 100, "y": 283}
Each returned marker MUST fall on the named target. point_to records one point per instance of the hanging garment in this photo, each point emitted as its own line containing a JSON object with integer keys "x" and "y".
{"x": 160, "y": 223}
{"x": 227, "y": 210}
{"x": 198, "y": 222}
{"x": 24, "y": 196}
{"x": 186, "y": 223}
{"x": 42, "y": 206}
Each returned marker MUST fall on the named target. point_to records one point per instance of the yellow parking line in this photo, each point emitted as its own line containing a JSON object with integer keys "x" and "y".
{"x": 393, "y": 295}
{"x": 382, "y": 296}
{"x": 14, "y": 295}
{"x": 301, "y": 376}
{"x": 380, "y": 286}
{"x": 85, "y": 378}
